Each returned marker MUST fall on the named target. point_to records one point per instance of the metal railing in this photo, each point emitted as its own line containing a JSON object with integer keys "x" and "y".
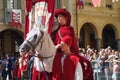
{"x": 102, "y": 74}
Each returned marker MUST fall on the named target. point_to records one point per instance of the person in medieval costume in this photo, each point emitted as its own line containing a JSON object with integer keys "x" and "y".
{"x": 64, "y": 34}
{"x": 19, "y": 67}
{"x": 24, "y": 67}
{"x": 63, "y": 29}
{"x": 66, "y": 65}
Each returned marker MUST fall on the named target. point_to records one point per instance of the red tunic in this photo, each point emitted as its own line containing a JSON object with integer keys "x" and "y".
{"x": 24, "y": 63}
{"x": 19, "y": 73}
{"x": 35, "y": 74}
{"x": 41, "y": 75}
{"x": 66, "y": 31}
{"x": 68, "y": 73}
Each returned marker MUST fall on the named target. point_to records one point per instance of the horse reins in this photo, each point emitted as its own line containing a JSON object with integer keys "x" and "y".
{"x": 30, "y": 44}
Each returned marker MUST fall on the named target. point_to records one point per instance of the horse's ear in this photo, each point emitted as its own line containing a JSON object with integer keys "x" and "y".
{"x": 43, "y": 28}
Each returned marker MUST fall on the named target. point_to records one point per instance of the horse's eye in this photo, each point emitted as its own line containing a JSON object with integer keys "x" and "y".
{"x": 35, "y": 36}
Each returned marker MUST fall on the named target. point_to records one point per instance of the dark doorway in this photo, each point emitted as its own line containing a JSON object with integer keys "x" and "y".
{"x": 10, "y": 40}
{"x": 109, "y": 38}
{"x": 87, "y": 36}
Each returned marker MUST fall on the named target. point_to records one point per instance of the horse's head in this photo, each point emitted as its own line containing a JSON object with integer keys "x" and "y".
{"x": 31, "y": 41}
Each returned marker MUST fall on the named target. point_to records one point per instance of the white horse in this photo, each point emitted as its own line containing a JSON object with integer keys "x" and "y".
{"x": 39, "y": 41}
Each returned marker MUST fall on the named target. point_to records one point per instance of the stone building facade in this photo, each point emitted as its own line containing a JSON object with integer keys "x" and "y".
{"x": 98, "y": 27}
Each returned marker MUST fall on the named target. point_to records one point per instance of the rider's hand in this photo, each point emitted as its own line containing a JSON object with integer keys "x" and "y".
{"x": 57, "y": 46}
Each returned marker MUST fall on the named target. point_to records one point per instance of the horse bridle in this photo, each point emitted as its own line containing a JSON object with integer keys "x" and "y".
{"x": 30, "y": 44}
{"x": 33, "y": 47}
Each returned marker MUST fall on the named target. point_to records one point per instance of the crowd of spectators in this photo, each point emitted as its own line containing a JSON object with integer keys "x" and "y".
{"x": 105, "y": 62}
{"x": 10, "y": 67}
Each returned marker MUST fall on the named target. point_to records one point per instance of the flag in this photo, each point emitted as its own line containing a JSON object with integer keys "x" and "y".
{"x": 80, "y": 4}
{"x": 44, "y": 13}
{"x": 29, "y": 5}
{"x": 115, "y": 0}
{"x": 96, "y": 3}
{"x": 16, "y": 18}
{"x": 42, "y": 7}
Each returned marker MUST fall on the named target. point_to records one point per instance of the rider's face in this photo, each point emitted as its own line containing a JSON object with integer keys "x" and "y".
{"x": 62, "y": 19}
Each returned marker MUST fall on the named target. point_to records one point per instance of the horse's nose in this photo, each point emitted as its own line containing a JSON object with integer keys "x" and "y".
{"x": 21, "y": 48}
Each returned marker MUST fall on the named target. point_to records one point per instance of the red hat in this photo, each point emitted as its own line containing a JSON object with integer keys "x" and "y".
{"x": 63, "y": 12}
{"x": 67, "y": 40}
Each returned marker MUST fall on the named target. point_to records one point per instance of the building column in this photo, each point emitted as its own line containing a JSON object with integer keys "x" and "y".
{"x": 103, "y": 3}
{"x": 118, "y": 44}
{"x": 98, "y": 42}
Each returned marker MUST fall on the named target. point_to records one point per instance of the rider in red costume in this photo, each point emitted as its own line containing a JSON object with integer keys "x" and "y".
{"x": 62, "y": 36}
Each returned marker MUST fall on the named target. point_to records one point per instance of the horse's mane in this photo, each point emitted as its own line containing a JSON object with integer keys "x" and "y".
{"x": 46, "y": 47}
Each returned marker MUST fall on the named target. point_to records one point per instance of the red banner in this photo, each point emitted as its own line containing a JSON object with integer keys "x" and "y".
{"x": 50, "y": 9}
{"x": 16, "y": 18}
{"x": 80, "y": 4}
